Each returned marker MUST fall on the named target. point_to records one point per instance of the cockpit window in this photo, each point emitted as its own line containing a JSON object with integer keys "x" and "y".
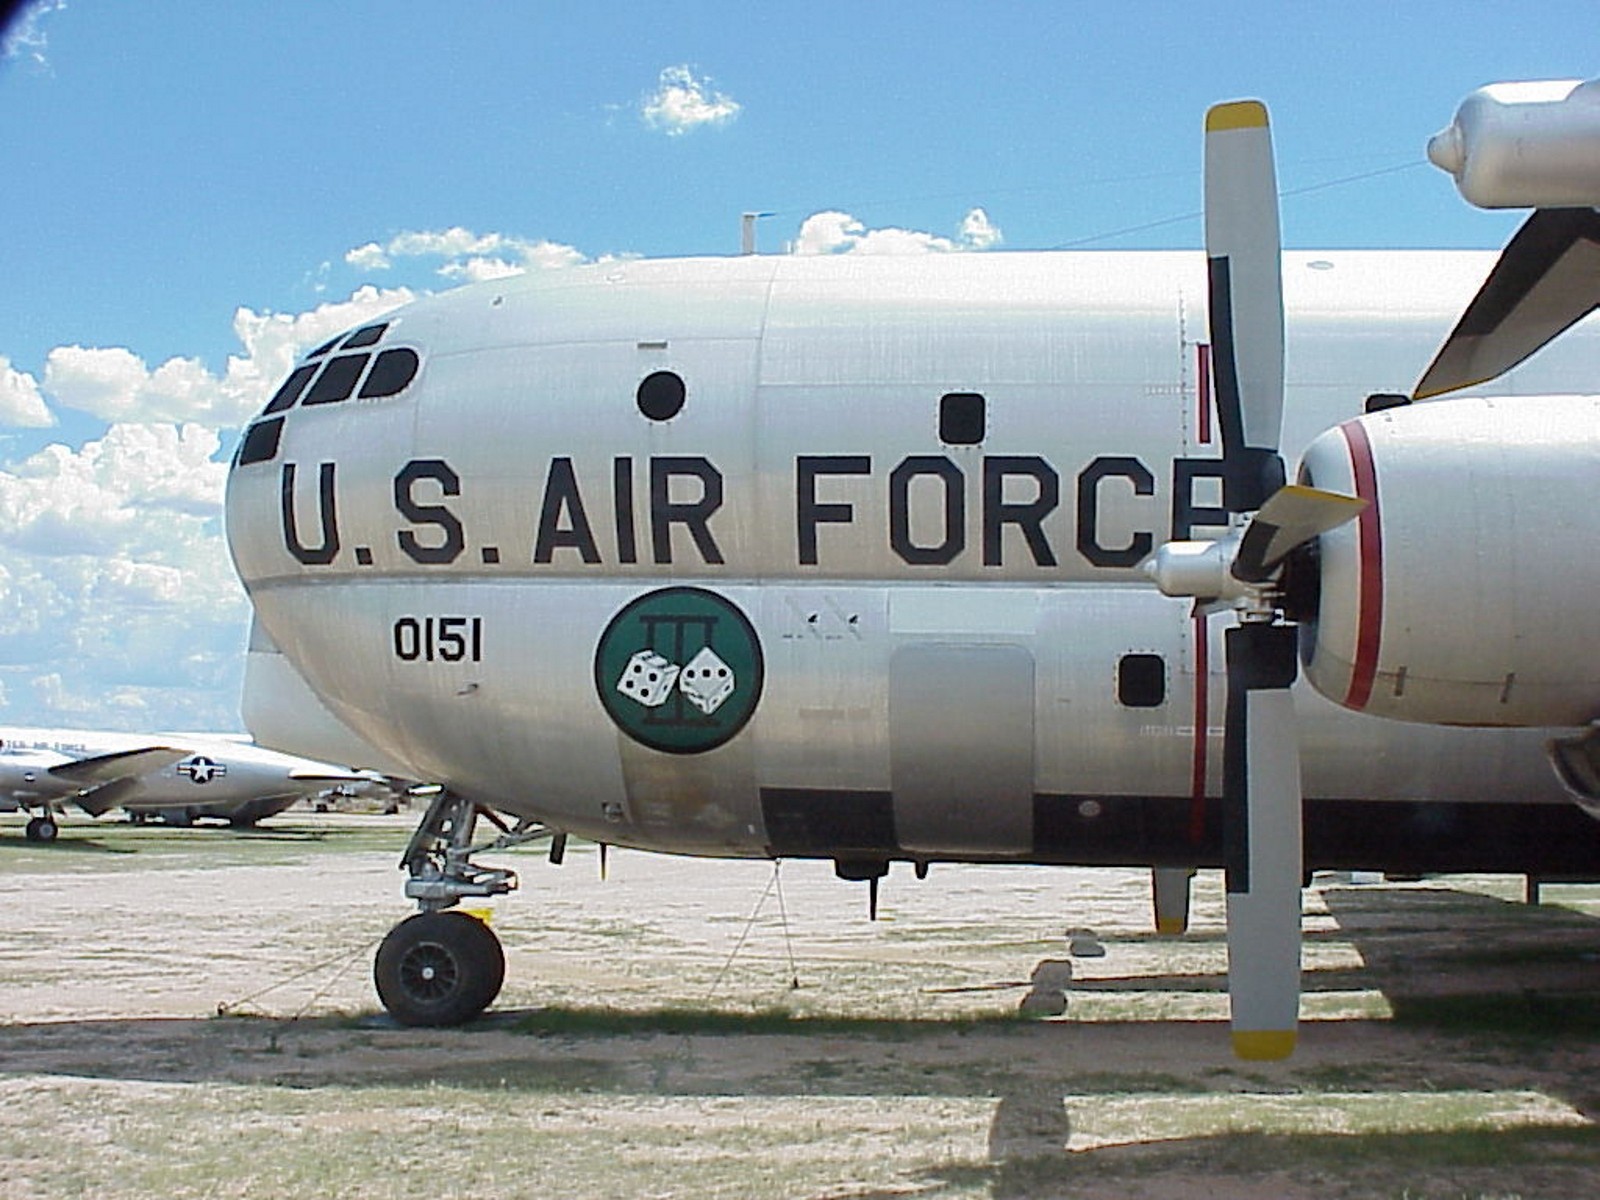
{"x": 338, "y": 379}
{"x": 291, "y": 388}
{"x": 260, "y": 442}
{"x": 391, "y": 373}
{"x": 323, "y": 349}
{"x": 365, "y": 336}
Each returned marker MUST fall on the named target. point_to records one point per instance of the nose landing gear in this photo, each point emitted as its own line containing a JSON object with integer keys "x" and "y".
{"x": 439, "y": 967}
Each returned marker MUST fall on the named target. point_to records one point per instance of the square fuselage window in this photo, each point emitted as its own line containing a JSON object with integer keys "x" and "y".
{"x": 961, "y": 418}
{"x": 1141, "y": 681}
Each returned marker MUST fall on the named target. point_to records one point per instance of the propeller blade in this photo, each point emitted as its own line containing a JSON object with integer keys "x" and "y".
{"x": 1246, "y": 299}
{"x": 1261, "y": 754}
{"x": 1261, "y": 798}
{"x": 1291, "y": 517}
{"x": 1543, "y": 283}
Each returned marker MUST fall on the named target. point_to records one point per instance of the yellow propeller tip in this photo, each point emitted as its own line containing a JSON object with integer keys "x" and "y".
{"x": 1263, "y": 1045}
{"x": 1238, "y": 114}
{"x": 1171, "y": 926}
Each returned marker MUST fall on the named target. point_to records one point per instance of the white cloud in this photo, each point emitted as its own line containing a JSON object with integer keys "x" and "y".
{"x": 368, "y": 258}
{"x": 20, "y": 401}
{"x": 26, "y": 39}
{"x": 121, "y": 492}
{"x": 977, "y": 231}
{"x": 477, "y": 270}
{"x": 682, "y": 103}
{"x": 118, "y": 604}
{"x": 468, "y": 257}
{"x": 116, "y": 385}
{"x": 835, "y": 232}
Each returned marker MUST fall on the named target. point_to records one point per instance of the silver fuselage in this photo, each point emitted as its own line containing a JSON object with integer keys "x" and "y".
{"x": 946, "y": 626}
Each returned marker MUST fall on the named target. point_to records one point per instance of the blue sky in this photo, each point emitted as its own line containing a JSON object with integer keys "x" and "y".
{"x": 191, "y": 182}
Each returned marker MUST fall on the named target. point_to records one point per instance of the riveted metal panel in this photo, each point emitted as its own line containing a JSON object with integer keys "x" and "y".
{"x": 961, "y": 747}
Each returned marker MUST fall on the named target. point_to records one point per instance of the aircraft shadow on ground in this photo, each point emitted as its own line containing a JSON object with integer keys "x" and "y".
{"x": 67, "y": 846}
{"x": 1508, "y": 991}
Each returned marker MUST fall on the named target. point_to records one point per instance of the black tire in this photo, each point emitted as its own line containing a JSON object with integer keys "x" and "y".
{"x": 439, "y": 968}
{"x": 41, "y": 829}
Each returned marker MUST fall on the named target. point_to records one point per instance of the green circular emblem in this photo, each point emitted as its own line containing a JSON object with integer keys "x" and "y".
{"x": 679, "y": 670}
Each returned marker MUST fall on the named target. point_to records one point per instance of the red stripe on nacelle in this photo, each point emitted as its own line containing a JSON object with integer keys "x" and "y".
{"x": 1369, "y": 532}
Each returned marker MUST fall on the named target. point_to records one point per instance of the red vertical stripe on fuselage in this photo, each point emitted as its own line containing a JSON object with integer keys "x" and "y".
{"x": 1369, "y": 532}
{"x": 1202, "y": 723}
{"x": 1203, "y": 393}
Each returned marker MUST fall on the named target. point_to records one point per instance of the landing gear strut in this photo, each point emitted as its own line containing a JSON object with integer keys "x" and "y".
{"x": 439, "y": 967}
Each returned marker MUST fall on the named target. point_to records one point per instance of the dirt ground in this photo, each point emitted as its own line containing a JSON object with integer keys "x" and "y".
{"x": 189, "y": 1013}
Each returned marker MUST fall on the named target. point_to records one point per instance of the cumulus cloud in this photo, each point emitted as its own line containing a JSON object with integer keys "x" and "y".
{"x": 118, "y": 493}
{"x": 118, "y": 604}
{"x": 835, "y": 232}
{"x": 20, "y": 401}
{"x": 467, "y": 257}
{"x": 681, "y": 103}
{"x": 116, "y": 385}
{"x": 978, "y": 232}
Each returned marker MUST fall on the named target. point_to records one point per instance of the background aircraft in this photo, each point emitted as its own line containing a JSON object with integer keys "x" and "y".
{"x": 182, "y": 775}
{"x": 844, "y": 558}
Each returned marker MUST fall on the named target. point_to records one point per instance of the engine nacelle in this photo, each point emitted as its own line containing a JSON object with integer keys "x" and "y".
{"x": 1525, "y": 145}
{"x": 1468, "y": 592}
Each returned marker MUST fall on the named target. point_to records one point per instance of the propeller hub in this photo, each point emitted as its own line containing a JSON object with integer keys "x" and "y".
{"x": 1197, "y": 570}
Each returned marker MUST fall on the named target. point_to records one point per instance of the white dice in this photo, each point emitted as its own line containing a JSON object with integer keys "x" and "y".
{"x": 648, "y": 679}
{"x": 707, "y": 681}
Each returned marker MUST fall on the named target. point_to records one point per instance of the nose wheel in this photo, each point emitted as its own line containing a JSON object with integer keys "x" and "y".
{"x": 42, "y": 829}
{"x": 444, "y": 966}
{"x": 439, "y": 968}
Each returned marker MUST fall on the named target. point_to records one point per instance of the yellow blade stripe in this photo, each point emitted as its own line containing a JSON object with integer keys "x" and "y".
{"x": 1263, "y": 1045}
{"x": 1240, "y": 114}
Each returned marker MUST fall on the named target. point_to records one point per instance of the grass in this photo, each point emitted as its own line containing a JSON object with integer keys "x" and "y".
{"x": 621, "y": 1075}
{"x": 563, "y": 1136}
{"x": 113, "y": 845}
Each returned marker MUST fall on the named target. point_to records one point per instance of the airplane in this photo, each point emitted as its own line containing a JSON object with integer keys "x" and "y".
{"x": 181, "y": 776}
{"x": 851, "y": 558}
